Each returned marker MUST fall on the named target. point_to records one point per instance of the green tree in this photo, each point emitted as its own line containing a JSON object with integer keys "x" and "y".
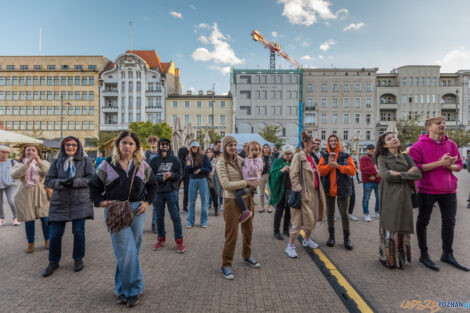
{"x": 271, "y": 134}
{"x": 460, "y": 136}
{"x": 213, "y": 135}
{"x": 409, "y": 130}
{"x": 102, "y": 138}
{"x": 145, "y": 129}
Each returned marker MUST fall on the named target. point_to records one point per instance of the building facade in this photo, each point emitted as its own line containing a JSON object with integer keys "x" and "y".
{"x": 134, "y": 88}
{"x": 267, "y": 97}
{"x": 203, "y": 111}
{"x": 420, "y": 92}
{"x": 341, "y": 102}
{"x": 465, "y": 98}
{"x": 33, "y": 89}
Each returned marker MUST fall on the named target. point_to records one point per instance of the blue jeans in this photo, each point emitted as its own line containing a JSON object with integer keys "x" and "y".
{"x": 171, "y": 198}
{"x": 57, "y": 231}
{"x": 154, "y": 215}
{"x": 30, "y": 228}
{"x": 128, "y": 279}
{"x": 195, "y": 185}
{"x": 365, "y": 198}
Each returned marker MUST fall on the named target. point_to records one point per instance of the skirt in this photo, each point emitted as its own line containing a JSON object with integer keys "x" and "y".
{"x": 395, "y": 249}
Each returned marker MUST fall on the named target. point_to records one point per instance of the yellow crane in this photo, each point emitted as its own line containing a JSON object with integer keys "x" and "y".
{"x": 274, "y": 47}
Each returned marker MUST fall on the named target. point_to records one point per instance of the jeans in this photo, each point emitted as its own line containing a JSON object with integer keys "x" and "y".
{"x": 196, "y": 185}
{"x": 365, "y": 198}
{"x": 29, "y": 227}
{"x": 57, "y": 231}
{"x": 128, "y": 279}
{"x": 185, "y": 182}
{"x": 171, "y": 199}
{"x": 10, "y": 192}
{"x": 448, "y": 206}
{"x": 239, "y": 194}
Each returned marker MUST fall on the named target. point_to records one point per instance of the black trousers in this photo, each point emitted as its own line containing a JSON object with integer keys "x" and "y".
{"x": 185, "y": 181}
{"x": 214, "y": 197}
{"x": 448, "y": 206}
{"x": 281, "y": 209}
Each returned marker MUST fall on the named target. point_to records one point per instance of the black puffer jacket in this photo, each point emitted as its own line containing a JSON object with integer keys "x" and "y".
{"x": 72, "y": 202}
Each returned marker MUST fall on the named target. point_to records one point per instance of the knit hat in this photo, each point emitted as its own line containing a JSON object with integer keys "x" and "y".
{"x": 227, "y": 139}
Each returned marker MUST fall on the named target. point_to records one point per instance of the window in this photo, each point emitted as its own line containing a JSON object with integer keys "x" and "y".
{"x": 335, "y": 118}
{"x": 434, "y": 81}
{"x": 21, "y": 80}
{"x": 78, "y": 67}
{"x": 416, "y": 81}
{"x": 323, "y": 87}
{"x": 346, "y": 102}
{"x": 71, "y": 111}
{"x": 346, "y": 87}
{"x": 84, "y": 110}
{"x": 335, "y": 87}
{"x": 56, "y": 110}
{"x": 368, "y": 135}
{"x": 211, "y": 104}
{"x": 23, "y": 67}
{"x": 411, "y": 81}
{"x": 422, "y": 81}
{"x": 92, "y": 125}
{"x": 310, "y": 87}
{"x": 43, "y": 80}
{"x": 335, "y": 132}
{"x": 345, "y": 118}
{"x": 323, "y": 118}
{"x": 8, "y": 110}
{"x": 92, "y": 67}
{"x": 357, "y": 87}
{"x": 36, "y": 110}
{"x": 346, "y": 135}
{"x": 198, "y": 120}
{"x": 186, "y": 119}
{"x": 368, "y": 118}
{"x": 49, "y": 110}
{"x": 403, "y": 81}
{"x": 428, "y": 99}
{"x": 403, "y": 99}
{"x": 38, "y": 67}
{"x": 92, "y": 96}
{"x": 49, "y": 95}
{"x": 36, "y": 95}
{"x": 186, "y": 104}
{"x": 77, "y": 110}
{"x": 91, "y": 81}
{"x": 43, "y": 95}
{"x": 2, "y": 97}
{"x": 433, "y": 98}
{"x": 15, "y": 95}
{"x": 138, "y": 87}
{"x": 368, "y": 102}
{"x": 175, "y": 104}
{"x": 57, "y": 125}
{"x": 77, "y": 80}
{"x": 428, "y": 81}
{"x": 15, "y": 110}
{"x": 309, "y": 118}
{"x": 10, "y": 67}
{"x": 64, "y": 67}
{"x": 92, "y": 112}
{"x": 422, "y": 98}
{"x": 323, "y": 135}
{"x": 84, "y": 81}
{"x": 138, "y": 75}
{"x": 222, "y": 104}
{"x": 357, "y": 118}
{"x": 199, "y": 104}
{"x": 129, "y": 74}
{"x": 357, "y": 102}
{"x": 70, "y": 78}
{"x": 70, "y": 95}
{"x": 71, "y": 125}
{"x": 210, "y": 119}
{"x": 222, "y": 120}
{"x": 29, "y": 125}
{"x": 335, "y": 102}
{"x": 63, "y": 80}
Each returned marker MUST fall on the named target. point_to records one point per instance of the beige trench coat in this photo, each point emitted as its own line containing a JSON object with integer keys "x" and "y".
{"x": 309, "y": 213}
{"x": 31, "y": 202}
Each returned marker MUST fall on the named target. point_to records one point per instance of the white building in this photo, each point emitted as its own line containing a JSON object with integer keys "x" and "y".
{"x": 134, "y": 88}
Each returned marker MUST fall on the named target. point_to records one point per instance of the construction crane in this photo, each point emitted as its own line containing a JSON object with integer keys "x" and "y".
{"x": 273, "y": 48}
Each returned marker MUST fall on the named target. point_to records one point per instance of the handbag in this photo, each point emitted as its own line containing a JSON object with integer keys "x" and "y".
{"x": 120, "y": 215}
{"x": 49, "y": 193}
{"x": 415, "y": 197}
{"x": 294, "y": 198}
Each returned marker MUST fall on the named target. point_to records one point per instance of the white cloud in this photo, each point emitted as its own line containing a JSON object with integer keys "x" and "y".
{"x": 203, "y": 39}
{"x": 307, "y": 12}
{"x": 353, "y": 26}
{"x": 327, "y": 45}
{"x": 274, "y": 34}
{"x": 192, "y": 89}
{"x": 221, "y": 53}
{"x": 342, "y": 13}
{"x": 307, "y": 58}
{"x": 176, "y": 14}
{"x": 305, "y": 44}
{"x": 204, "y": 25}
{"x": 455, "y": 60}
{"x": 192, "y": 6}
{"x": 321, "y": 57}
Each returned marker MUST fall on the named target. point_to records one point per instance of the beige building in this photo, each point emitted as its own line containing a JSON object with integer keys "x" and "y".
{"x": 203, "y": 111}
{"x": 32, "y": 89}
{"x": 418, "y": 91}
{"x": 340, "y": 101}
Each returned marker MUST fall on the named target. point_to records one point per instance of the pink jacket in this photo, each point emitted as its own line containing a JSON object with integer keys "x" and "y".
{"x": 252, "y": 169}
{"x": 440, "y": 180}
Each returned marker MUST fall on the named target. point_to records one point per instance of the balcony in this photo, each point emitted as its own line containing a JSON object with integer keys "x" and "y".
{"x": 153, "y": 109}
{"x": 110, "y": 92}
{"x": 389, "y": 106}
{"x": 309, "y": 125}
{"x": 309, "y": 108}
{"x": 448, "y": 106}
{"x": 112, "y": 127}
{"x": 152, "y": 92}
{"x": 107, "y": 108}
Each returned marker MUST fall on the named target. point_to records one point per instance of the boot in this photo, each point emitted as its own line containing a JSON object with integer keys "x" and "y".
{"x": 216, "y": 211}
{"x": 50, "y": 269}
{"x": 426, "y": 260}
{"x": 46, "y": 244}
{"x": 78, "y": 265}
{"x": 331, "y": 239}
{"x": 347, "y": 243}
{"x": 179, "y": 245}
{"x": 278, "y": 235}
{"x": 449, "y": 258}
{"x": 30, "y": 248}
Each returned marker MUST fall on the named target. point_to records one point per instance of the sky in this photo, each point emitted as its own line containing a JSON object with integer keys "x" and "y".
{"x": 205, "y": 38}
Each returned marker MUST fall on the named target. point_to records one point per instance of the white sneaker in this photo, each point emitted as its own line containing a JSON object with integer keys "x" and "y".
{"x": 367, "y": 218}
{"x": 377, "y": 215}
{"x": 290, "y": 250}
{"x": 353, "y": 218}
{"x": 309, "y": 243}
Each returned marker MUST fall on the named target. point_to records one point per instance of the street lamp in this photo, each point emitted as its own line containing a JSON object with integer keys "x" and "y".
{"x": 62, "y": 115}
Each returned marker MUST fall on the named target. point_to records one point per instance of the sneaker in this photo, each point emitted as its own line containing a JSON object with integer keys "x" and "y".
{"x": 290, "y": 250}
{"x": 353, "y": 218}
{"x": 377, "y": 215}
{"x": 16, "y": 223}
{"x": 160, "y": 243}
{"x": 204, "y": 226}
{"x": 309, "y": 243}
{"x": 132, "y": 301}
{"x": 179, "y": 245}
{"x": 367, "y": 218}
{"x": 253, "y": 263}
{"x": 227, "y": 272}
{"x": 221, "y": 208}
{"x": 121, "y": 299}
{"x": 189, "y": 226}
{"x": 245, "y": 216}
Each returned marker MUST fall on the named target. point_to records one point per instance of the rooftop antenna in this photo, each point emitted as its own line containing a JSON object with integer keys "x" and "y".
{"x": 40, "y": 35}
{"x": 130, "y": 35}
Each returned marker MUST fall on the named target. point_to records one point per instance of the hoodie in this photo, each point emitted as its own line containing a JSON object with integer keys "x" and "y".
{"x": 160, "y": 165}
{"x": 440, "y": 180}
{"x": 333, "y": 176}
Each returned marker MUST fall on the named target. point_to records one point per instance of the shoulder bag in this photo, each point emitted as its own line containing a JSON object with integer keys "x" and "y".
{"x": 120, "y": 215}
{"x": 294, "y": 198}
{"x": 415, "y": 197}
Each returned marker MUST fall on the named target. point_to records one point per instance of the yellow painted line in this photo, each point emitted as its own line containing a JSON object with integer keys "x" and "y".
{"x": 352, "y": 293}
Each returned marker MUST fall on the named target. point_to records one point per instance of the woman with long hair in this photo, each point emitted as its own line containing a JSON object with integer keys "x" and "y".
{"x": 398, "y": 172}
{"x": 213, "y": 196}
{"x": 229, "y": 169}
{"x": 126, "y": 175}
{"x": 31, "y": 199}
{"x": 68, "y": 177}
{"x": 305, "y": 178}
{"x": 198, "y": 166}
{"x": 268, "y": 160}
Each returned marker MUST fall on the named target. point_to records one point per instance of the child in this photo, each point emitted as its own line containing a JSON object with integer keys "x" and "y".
{"x": 252, "y": 168}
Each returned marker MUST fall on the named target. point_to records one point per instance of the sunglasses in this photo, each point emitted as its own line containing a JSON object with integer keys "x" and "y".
{"x": 164, "y": 144}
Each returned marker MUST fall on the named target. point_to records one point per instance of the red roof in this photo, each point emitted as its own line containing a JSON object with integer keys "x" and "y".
{"x": 165, "y": 67}
{"x": 150, "y": 57}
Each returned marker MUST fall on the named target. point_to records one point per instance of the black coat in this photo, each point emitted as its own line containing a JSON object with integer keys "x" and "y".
{"x": 160, "y": 165}
{"x": 72, "y": 202}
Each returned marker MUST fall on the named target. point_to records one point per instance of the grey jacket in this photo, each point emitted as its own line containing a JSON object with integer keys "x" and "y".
{"x": 73, "y": 202}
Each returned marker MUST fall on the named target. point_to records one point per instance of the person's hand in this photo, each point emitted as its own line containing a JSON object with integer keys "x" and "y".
{"x": 67, "y": 182}
{"x": 453, "y": 168}
{"x": 372, "y": 178}
{"x": 286, "y": 169}
{"x": 166, "y": 176}
{"x": 197, "y": 171}
{"x": 142, "y": 208}
{"x": 104, "y": 204}
{"x": 188, "y": 163}
{"x": 394, "y": 173}
{"x": 413, "y": 169}
{"x": 334, "y": 164}
{"x": 252, "y": 184}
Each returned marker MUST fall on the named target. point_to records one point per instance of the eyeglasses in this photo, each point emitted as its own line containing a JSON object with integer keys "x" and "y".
{"x": 164, "y": 144}
{"x": 71, "y": 145}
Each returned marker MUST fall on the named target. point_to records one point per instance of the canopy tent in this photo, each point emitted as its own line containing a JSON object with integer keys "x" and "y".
{"x": 207, "y": 141}
{"x": 392, "y": 128}
{"x": 242, "y": 138}
{"x": 177, "y": 135}
{"x": 189, "y": 135}
{"x": 7, "y": 137}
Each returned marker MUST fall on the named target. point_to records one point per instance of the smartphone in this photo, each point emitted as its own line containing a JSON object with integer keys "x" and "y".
{"x": 332, "y": 154}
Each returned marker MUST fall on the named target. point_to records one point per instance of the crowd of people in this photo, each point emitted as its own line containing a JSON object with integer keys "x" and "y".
{"x": 303, "y": 187}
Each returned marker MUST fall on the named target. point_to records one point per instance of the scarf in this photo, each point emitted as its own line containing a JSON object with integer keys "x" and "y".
{"x": 69, "y": 164}
{"x": 32, "y": 174}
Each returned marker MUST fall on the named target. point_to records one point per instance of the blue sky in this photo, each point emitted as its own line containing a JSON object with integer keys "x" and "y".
{"x": 205, "y": 38}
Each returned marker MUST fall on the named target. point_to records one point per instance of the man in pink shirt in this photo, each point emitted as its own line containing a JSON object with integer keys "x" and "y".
{"x": 437, "y": 157}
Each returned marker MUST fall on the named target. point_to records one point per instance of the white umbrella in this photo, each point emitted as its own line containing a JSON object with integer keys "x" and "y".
{"x": 177, "y": 135}
{"x": 7, "y": 137}
{"x": 207, "y": 141}
{"x": 392, "y": 128}
{"x": 189, "y": 135}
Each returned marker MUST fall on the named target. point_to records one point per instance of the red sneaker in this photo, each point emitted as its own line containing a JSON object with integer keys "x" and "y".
{"x": 245, "y": 216}
{"x": 160, "y": 243}
{"x": 179, "y": 245}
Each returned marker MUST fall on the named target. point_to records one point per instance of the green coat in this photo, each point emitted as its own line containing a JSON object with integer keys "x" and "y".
{"x": 396, "y": 208}
{"x": 276, "y": 181}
